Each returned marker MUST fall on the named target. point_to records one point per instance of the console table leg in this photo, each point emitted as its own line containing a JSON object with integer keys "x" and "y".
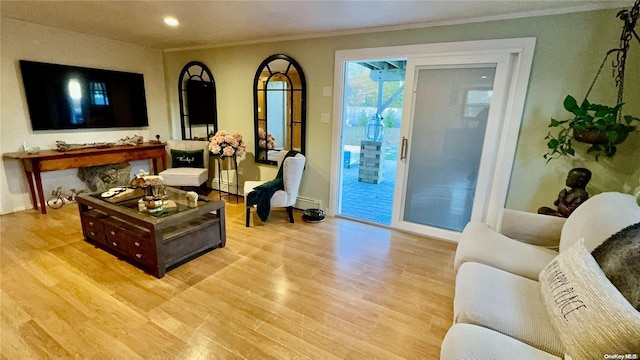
{"x": 155, "y": 162}
{"x": 32, "y": 190}
{"x": 43, "y": 204}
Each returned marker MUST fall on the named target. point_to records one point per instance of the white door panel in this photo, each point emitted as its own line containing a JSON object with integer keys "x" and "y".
{"x": 448, "y": 141}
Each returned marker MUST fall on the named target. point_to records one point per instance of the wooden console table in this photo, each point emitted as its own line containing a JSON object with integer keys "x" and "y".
{"x": 51, "y": 160}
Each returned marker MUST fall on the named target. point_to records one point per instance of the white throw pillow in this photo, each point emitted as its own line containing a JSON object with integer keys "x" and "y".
{"x": 590, "y": 315}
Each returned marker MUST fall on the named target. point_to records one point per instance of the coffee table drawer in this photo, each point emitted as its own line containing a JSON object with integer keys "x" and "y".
{"x": 143, "y": 252}
{"x": 131, "y": 241}
{"x": 93, "y": 226}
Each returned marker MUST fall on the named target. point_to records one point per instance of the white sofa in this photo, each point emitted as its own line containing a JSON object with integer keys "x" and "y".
{"x": 503, "y": 311}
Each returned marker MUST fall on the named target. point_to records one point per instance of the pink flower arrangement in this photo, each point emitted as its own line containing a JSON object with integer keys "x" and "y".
{"x": 266, "y": 140}
{"x": 224, "y": 144}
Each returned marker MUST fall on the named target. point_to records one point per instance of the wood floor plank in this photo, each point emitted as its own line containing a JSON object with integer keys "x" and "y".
{"x": 333, "y": 290}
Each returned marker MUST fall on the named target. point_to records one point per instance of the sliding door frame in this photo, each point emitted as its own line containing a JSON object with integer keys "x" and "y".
{"x": 520, "y": 51}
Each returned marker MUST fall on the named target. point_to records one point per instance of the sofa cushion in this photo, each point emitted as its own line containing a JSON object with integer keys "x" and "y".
{"x": 598, "y": 218}
{"x": 466, "y": 341}
{"x": 185, "y": 176}
{"x": 480, "y": 243}
{"x": 504, "y": 302}
{"x": 589, "y": 314}
{"x": 619, "y": 259}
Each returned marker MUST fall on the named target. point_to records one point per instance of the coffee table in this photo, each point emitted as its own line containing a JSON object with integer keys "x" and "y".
{"x": 155, "y": 242}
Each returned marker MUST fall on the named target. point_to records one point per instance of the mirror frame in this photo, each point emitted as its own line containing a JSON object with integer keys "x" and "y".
{"x": 258, "y": 92}
{"x": 195, "y": 70}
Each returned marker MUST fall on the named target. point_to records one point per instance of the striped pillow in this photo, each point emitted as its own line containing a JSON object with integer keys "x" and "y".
{"x": 590, "y": 315}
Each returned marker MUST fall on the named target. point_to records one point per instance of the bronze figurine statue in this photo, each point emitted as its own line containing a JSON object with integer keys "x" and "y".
{"x": 569, "y": 200}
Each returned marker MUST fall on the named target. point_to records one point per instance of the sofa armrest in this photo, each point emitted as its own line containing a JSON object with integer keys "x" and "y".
{"x": 535, "y": 229}
{"x": 481, "y": 244}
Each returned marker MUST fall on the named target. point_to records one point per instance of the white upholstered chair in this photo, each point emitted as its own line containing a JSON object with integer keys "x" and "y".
{"x": 188, "y": 163}
{"x": 292, "y": 170}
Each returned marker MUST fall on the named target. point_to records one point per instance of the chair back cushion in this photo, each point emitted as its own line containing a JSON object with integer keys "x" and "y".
{"x": 292, "y": 176}
{"x": 188, "y": 145}
{"x": 598, "y": 218}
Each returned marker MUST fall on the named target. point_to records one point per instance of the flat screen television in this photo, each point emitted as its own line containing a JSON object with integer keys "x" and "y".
{"x": 69, "y": 97}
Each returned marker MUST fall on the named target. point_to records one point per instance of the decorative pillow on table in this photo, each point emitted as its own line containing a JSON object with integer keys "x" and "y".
{"x": 619, "y": 259}
{"x": 590, "y": 315}
{"x": 187, "y": 158}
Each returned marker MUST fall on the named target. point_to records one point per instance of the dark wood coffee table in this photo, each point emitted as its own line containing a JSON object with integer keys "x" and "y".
{"x": 155, "y": 242}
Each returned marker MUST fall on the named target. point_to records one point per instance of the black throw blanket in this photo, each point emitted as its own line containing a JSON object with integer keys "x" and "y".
{"x": 261, "y": 194}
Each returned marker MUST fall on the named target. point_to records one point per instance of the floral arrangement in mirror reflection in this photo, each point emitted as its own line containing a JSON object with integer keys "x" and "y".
{"x": 225, "y": 144}
{"x": 266, "y": 140}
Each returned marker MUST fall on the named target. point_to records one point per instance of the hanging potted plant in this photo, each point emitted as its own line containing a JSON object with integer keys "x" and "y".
{"x": 601, "y": 126}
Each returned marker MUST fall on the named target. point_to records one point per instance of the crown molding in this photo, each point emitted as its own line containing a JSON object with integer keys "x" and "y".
{"x": 511, "y": 16}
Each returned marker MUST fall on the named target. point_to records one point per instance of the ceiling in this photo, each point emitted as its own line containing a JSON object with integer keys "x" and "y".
{"x": 218, "y": 23}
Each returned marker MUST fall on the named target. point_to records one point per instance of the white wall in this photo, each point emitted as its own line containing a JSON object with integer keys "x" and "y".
{"x": 21, "y": 40}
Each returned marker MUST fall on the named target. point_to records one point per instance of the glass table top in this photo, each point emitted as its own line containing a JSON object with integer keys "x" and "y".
{"x": 174, "y": 201}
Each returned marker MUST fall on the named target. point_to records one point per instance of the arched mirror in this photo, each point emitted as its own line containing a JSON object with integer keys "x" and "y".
{"x": 198, "y": 112}
{"x": 279, "y": 102}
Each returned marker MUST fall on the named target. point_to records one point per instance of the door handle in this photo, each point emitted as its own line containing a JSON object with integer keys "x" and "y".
{"x": 403, "y": 148}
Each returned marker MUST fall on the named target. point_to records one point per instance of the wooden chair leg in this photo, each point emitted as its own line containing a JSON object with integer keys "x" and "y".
{"x": 290, "y": 212}
{"x": 248, "y": 216}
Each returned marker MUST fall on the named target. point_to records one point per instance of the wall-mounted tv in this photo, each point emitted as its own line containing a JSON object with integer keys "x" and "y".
{"x": 70, "y": 97}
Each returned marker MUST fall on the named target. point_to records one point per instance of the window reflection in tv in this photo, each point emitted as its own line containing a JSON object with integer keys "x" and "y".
{"x": 71, "y": 97}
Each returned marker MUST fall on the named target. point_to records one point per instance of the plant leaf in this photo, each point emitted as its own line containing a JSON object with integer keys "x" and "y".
{"x": 628, "y": 119}
{"x": 612, "y": 135}
{"x": 593, "y": 148}
{"x": 611, "y": 151}
{"x": 617, "y": 108}
{"x": 555, "y": 123}
{"x": 610, "y": 119}
{"x": 570, "y": 104}
{"x": 601, "y": 110}
{"x": 600, "y": 125}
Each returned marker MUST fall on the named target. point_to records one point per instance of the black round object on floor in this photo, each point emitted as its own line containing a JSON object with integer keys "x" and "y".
{"x": 313, "y": 215}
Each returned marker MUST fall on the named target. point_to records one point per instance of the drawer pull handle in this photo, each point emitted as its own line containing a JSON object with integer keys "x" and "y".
{"x": 115, "y": 243}
{"x": 136, "y": 243}
{"x": 139, "y": 256}
{"x": 90, "y": 223}
{"x": 93, "y": 234}
{"x": 113, "y": 232}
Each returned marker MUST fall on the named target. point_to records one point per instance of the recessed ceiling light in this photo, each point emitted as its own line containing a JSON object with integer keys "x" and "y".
{"x": 171, "y": 21}
{"x": 484, "y": 76}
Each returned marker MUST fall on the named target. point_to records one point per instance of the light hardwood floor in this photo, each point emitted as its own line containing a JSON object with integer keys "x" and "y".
{"x": 333, "y": 290}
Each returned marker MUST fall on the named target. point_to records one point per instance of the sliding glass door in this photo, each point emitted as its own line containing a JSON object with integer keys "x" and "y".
{"x": 441, "y": 175}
